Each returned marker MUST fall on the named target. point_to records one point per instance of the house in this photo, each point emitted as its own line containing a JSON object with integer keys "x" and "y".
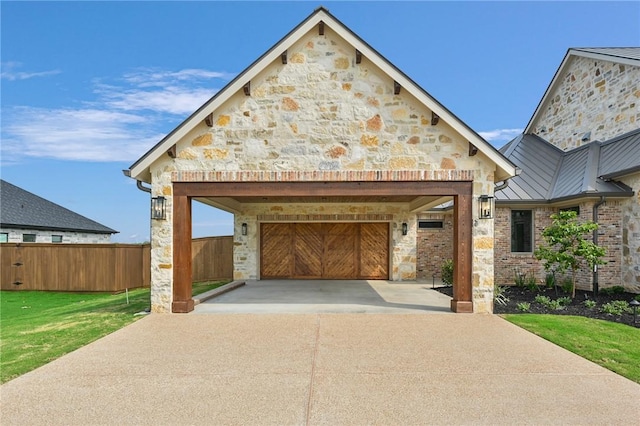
{"x": 25, "y": 217}
{"x": 580, "y": 151}
{"x": 325, "y": 153}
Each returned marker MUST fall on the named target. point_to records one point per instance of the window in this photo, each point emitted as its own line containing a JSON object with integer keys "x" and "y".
{"x": 521, "y": 231}
{"x": 28, "y": 238}
{"x": 56, "y": 238}
{"x": 430, "y": 224}
{"x": 4, "y": 237}
{"x": 572, "y": 209}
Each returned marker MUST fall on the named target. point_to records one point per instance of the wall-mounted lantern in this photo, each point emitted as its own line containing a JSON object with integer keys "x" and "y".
{"x": 158, "y": 208}
{"x": 244, "y": 228}
{"x": 486, "y": 207}
{"x": 405, "y": 228}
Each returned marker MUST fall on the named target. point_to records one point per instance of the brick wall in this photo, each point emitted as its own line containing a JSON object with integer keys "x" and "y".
{"x": 434, "y": 246}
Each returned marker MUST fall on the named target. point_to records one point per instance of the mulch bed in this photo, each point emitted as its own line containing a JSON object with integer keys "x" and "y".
{"x": 577, "y": 307}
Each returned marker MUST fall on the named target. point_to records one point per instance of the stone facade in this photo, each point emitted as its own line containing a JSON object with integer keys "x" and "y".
{"x": 325, "y": 115}
{"x": 43, "y": 236}
{"x": 630, "y": 211}
{"x": 593, "y": 96}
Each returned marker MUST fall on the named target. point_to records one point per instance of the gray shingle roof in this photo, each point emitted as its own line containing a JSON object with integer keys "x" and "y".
{"x": 22, "y": 209}
{"x": 550, "y": 174}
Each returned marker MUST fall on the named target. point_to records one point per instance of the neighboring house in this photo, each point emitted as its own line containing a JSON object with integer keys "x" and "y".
{"x": 324, "y": 152}
{"x": 581, "y": 151}
{"x": 25, "y": 217}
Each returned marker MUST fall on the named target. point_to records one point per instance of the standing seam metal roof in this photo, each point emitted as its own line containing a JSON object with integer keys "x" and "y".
{"x": 549, "y": 173}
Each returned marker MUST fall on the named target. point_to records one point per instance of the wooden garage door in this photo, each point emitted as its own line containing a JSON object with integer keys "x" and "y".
{"x": 324, "y": 250}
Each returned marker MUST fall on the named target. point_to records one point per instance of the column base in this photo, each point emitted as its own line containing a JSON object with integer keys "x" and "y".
{"x": 182, "y": 306}
{"x": 461, "y": 307}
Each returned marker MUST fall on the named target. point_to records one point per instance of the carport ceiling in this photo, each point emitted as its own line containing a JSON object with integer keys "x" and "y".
{"x": 231, "y": 204}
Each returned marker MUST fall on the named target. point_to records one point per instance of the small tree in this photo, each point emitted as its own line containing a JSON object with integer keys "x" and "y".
{"x": 566, "y": 247}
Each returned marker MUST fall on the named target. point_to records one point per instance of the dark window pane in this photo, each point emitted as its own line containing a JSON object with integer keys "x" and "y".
{"x": 28, "y": 238}
{"x": 521, "y": 231}
{"x": 430, "y": 224}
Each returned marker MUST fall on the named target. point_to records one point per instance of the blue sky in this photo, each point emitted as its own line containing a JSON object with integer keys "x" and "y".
{"x": 89, "y": 87}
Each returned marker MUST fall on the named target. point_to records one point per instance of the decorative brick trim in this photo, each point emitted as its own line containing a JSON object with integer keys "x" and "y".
{"x": 324, "y": 217}
{"x": 323, "y": 176}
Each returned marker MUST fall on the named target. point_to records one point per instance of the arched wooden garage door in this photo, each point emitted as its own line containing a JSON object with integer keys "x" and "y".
{"x": 324, "y": 250}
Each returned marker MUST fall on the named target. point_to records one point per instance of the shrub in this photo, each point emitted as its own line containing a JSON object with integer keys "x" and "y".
{"x": 550, "y": 280}
{"x": 617, "y": 307}
{"x": 590, "y": 304}
{"x": 447, "y": 272}
{"x": 500, "y": 295}
{"x": 616, "y": 289}
{"x": 556, "y": 305}
{"x": 531, "y": 282}
{"x": 567, "y": 285}
{"x": 564, "y": 301}
{"x": 523, "y": 306}
{"x": 520, "y": 279}
{"x": 543, "y": 300}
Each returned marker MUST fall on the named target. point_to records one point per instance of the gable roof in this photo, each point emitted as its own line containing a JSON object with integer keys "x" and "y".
{"x": 140, "y": 169}
{"x": 551, "y": 175}
{"x": 22, "y": 209}
{"x": 622, "y": 55}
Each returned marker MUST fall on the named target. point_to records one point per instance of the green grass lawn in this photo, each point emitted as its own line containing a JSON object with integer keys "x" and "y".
{"x": 611, "y": 345}
{"x": 37, "y": 327}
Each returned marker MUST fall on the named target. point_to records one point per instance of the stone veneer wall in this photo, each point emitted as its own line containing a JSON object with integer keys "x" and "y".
{"x": 435, "y": 246}
{"x": 321, "y": 113}
{"x": 630, "y": 268}
{"x": 15, "y": 236}
{"x": 594, "y": 96}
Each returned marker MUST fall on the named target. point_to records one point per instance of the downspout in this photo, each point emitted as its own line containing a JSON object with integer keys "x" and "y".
{"x": 142, "y": 188}
{"x": 595, "y": 241}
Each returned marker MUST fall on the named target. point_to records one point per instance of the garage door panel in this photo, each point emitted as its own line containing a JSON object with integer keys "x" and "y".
{"x": 374, "y": 251}
{"x": 340, "y": 250}
{"x": 277, "y": 250}
{"x": 325, "y": 250}
{"x": 308, "y": 248}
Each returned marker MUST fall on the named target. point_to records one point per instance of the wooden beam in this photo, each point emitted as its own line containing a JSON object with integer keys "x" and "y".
{"x": 473, "y": 150}
{"x": 247, "y": 88}
{"x": 283, "y": 57}
{"x": 209, "y": 120}
{"x": 358, "y": 56}
{"x": 182, "y": 300}
{"x": 238, "y": 190}
{"x": 462, "y": 259}
{"x": 321, "y": 28}
{"x": 435, "y": 118}
{"x": 396, "y": 88}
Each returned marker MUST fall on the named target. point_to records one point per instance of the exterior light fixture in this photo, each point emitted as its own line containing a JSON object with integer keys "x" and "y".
{"x": 486, "y": 207}
{"x": 634, "y": 305}
{"x": 405, "y": 228}
{"x": 244, "y": 228}
{"x": 158, "y": 208}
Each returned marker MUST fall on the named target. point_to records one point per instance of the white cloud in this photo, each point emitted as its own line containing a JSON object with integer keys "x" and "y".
{"x": 76, "y": 134}
{"x": 500, "y": 135}
{"x": 125, "y": 120}
{"x": 9, "y": 72}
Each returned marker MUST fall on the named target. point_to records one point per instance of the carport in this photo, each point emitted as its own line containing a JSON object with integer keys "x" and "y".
{"x": 233, "y": 196}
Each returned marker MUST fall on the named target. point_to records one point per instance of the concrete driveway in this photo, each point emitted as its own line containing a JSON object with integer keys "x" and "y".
{"x": 329, "y": 296}
{"x": 320, "y": 369}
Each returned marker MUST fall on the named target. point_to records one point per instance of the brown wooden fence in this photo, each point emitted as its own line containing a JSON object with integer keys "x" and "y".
{"x": 212, "y": 258}
{"x": 101, "y": 267}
